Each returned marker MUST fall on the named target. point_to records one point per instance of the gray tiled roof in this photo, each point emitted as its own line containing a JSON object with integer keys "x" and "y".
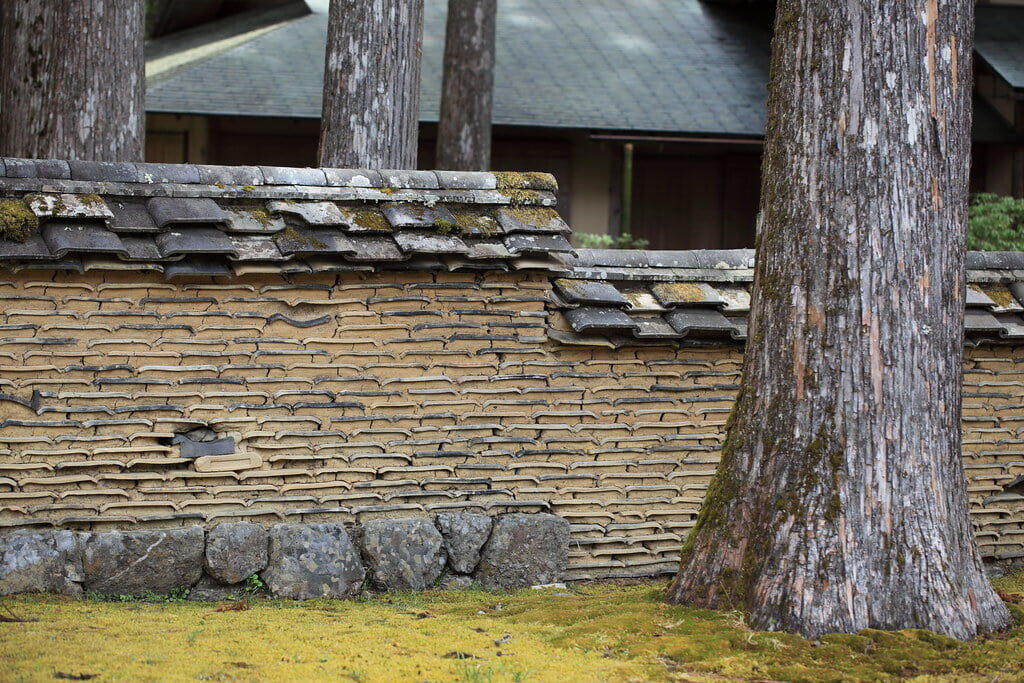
{"x": 619, "y": 298}
{"x": 658, "y": 65}
{"x": 189, "y": 220}
{"x": 999, "y": 40}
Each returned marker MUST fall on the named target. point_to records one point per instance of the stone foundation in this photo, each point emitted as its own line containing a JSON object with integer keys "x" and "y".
{"x": 294, "y": 561}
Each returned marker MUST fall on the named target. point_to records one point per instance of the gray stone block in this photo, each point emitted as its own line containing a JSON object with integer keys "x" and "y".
{"x": 210, "y": 590}
{"x": 524, "y": 550}
{"x": 134, "y": 562}
{"x": 312, "y": 561}
{"x": 40, "y": 561}
{"x": 236, "y": 551}
{"x": 404, "y": 554}
{"x": 464, "y": 535}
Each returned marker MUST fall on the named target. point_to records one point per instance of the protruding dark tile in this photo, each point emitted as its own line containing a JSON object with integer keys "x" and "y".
{"x": 654, "y": 328}
{"x": 188, "y": 240}
{"x": 419, "y": 216}
{"x": 313, "y": 241}
{"x": 375, "y": 248}
{"x": 63, "y": 237}
{"x": 195, "y": 267}
{"x": 586, "y": 318}
{"x": 980, "y": 321}
{"x": 687, "y": 321}
{"x": 32, "y": 249}
{"x": 590, "y": 292}
{"x": 978, "y": 299}
{"x": 168, "y": 211}
{"x": 130, "y": 217}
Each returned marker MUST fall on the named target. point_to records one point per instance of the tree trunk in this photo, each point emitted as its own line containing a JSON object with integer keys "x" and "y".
{"x": 372, "y": 84}
{"x": 840, "y": 502}
{"x": 467, "y": 91}
{"x": 73, "y": 83}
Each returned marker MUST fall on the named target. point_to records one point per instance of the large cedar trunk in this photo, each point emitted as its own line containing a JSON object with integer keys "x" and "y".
{"x": 467, "y": 91}
{"x": 372, "y": 84}
{"x": 840, "y": 501}
{"x": 72, "y": 79}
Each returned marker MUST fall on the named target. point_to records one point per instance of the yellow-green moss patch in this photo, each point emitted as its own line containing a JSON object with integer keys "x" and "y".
{"x": 370, "y": 219}
{"x": 533, "y": 215}
{"x": 514, "y": 180}
{"x": 595, "y": 632}
{"x": 17, "y": 222}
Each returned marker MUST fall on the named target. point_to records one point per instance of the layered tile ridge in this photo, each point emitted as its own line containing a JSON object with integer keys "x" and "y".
{"x": 185, "y": 220}
{"x": 617, "y": 298}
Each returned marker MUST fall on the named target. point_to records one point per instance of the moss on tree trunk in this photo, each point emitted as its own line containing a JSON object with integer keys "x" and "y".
{"x": 840, "y": 502}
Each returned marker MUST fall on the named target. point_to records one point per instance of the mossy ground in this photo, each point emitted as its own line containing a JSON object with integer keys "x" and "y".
{"x": 601, "y": 632}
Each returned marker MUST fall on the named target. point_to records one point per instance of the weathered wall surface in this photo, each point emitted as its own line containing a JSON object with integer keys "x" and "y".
{"x": 352, "y": 397}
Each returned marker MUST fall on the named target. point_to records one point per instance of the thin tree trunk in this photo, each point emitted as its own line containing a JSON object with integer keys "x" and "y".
{"x": 840, "y": 502}
{"x": 467, "y": 91}
{"x": 72, "y": 79}
{"x": 372, "y": 84}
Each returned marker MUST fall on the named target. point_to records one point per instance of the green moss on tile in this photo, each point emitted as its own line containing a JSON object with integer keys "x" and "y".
{"x": 17, "y": 222}
{"x": 291, "y": 233}
{"x": 515, "y": 180}
{"x": 532, "y": 215}
{"x": 370, "y": 219}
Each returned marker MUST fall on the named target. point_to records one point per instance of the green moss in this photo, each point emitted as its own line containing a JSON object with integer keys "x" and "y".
{"x": 532, "y": 215}
{"x": 291, "y": 233}
{"x": 446, "y": 227}
{"x": 599, "y": 632}
{"x": 17, "y": 222}
{"x": 519, "y": 197}
{"x": 514, "y": 180}
{"x": 93, "y": 200}
{"x": 371, "y": 219}
{"x": 473, "y": 221}
{"x": 248, "y": 188}
{"x": 387, "y": 190}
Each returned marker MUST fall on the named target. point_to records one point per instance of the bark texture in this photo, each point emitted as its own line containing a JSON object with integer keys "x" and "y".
{"x": 72, "y": 83}
{"x": 840, "y": 502}
{"x": 467, "y": 89}
{"x": 372, "y": 84}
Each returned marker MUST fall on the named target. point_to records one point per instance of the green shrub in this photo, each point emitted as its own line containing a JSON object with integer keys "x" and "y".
{"x": 995, "y": 223}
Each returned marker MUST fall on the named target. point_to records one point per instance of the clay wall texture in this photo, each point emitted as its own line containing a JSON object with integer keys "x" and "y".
{"x": 357, "y": 396}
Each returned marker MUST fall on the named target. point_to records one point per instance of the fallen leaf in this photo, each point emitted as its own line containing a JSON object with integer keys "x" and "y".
{"x": 232, "y": 607}
{"x": 1011, "y": 598}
